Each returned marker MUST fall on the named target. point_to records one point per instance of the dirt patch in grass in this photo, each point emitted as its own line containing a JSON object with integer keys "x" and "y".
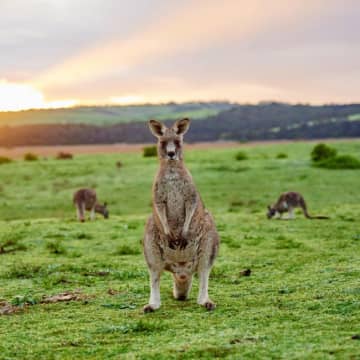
{"x": 8, "y": 309}
{"x": 245, "y": 339}
{"x": 65, "y": 296}
{"x": 113, "y": 292}
{"x": 97, "y": 273}
{"x": 20, "y": 302}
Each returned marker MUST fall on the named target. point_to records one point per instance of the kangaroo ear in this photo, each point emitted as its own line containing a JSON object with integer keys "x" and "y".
{"x": 157, "y": 128}
{"x": 181, "y": 126}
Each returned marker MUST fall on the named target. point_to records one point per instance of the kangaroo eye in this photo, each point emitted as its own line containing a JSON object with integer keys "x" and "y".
{"x": 177, "y": 143}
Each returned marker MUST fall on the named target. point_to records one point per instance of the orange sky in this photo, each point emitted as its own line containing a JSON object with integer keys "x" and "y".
{"x": 65, "y": 53}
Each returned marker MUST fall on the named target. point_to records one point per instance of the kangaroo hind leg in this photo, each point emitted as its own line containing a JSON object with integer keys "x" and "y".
{"x": 92, "y": 213}
{"x": 205, "y": 263}
{"x": 154, "y": 301}
{"x": 155, "y": 265}
{"x": 203, "y": 298}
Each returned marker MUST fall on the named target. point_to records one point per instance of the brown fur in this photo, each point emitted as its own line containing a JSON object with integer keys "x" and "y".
{"x": 287, "y": 202}
{"x": 180, "y": 235}
{"x": 86, "y": 199}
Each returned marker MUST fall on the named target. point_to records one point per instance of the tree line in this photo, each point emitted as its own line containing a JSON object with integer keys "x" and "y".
{"x": 266, "y": 121}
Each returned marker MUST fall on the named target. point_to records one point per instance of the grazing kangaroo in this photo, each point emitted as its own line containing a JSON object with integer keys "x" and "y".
{"x": 86, "y": 199}
{"x": 287, "y": 202}
{"x": 180, "y": 235}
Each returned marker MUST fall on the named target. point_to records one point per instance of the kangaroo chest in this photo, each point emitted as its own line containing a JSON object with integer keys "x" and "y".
{"x": 174, "y": 189}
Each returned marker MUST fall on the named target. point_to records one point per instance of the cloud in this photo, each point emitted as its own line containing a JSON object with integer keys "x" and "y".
{"x": 36, "y": 35}
{"x": 95, "y": 51}
{"x": 188, "y": 27}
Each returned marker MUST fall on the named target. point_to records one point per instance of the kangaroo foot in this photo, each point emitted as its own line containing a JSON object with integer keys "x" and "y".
{"x": 150, "y": 308}
{"x": 209, "y": 305}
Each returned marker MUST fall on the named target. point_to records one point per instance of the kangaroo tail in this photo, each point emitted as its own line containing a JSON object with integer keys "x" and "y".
{"x": 304, "y": 208}
{"x": 320, "y": 217}
{"x": 306, "y": 213}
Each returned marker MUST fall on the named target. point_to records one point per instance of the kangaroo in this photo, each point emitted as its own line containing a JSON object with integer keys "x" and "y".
{"x": 86, "y": 199}
{"x": 180, "y": 235}
{"x": 287, "y": 202}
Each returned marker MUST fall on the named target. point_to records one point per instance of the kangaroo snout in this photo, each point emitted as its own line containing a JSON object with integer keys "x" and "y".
{"x": 171, "y": 154}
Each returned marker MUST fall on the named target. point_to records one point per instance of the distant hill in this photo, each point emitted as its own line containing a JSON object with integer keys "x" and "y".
{"x": 109, "y": 115}
{"x": 266, "y": 121}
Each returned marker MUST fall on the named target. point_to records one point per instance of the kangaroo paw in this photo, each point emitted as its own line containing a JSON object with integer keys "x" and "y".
{"x": 150, "y": 308}
{"x": 209, "y": 305}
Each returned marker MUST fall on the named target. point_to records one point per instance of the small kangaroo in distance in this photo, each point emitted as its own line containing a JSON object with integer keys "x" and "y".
{"x": 86, "y": 199}
{"x": 180, "y": 235}
{"x": 287, "y": 202}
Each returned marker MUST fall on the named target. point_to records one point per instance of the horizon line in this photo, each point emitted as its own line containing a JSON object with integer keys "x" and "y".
{"x": 139, "y": 104}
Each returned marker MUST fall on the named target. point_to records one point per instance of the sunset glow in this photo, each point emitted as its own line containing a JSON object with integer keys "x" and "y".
{"x": 15, "y": 97}
{"x": 140, "y": 52}
{"x": 127, "y": 100}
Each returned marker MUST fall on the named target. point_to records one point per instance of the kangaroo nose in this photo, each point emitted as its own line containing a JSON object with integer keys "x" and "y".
{"x": 171, "y": 154}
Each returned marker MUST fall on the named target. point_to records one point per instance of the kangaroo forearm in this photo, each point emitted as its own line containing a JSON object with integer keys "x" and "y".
{"x": 189, "y": 216}
{"x": 161, "y": 214}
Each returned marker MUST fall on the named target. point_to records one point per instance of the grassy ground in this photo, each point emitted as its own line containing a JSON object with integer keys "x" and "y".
{"x": 302, "y": 300}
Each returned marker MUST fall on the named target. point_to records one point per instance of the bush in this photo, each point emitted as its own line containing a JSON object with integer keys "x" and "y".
{"x": 149, "y": 151}
{"x": 30, "y": 157}
{"x": 4, "y": 160}
{"x": 281, "y": 156}
{"x": 64, "y": 156}
{"x": 322, "y": 152}
{"x": 241, "y": 155}
{"x": 340, "y": 162}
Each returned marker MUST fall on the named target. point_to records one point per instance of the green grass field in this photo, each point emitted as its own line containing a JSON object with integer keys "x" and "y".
{"x": 302, "y": 300}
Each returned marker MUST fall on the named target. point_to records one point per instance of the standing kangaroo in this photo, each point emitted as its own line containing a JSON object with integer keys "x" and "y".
{"x": 287, "y": 202}
{"x": 180, "y": 235}
{"x": 86, "y": 199}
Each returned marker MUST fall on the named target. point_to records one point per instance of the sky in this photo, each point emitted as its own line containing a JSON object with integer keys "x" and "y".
{"x": 59, "y": 53}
